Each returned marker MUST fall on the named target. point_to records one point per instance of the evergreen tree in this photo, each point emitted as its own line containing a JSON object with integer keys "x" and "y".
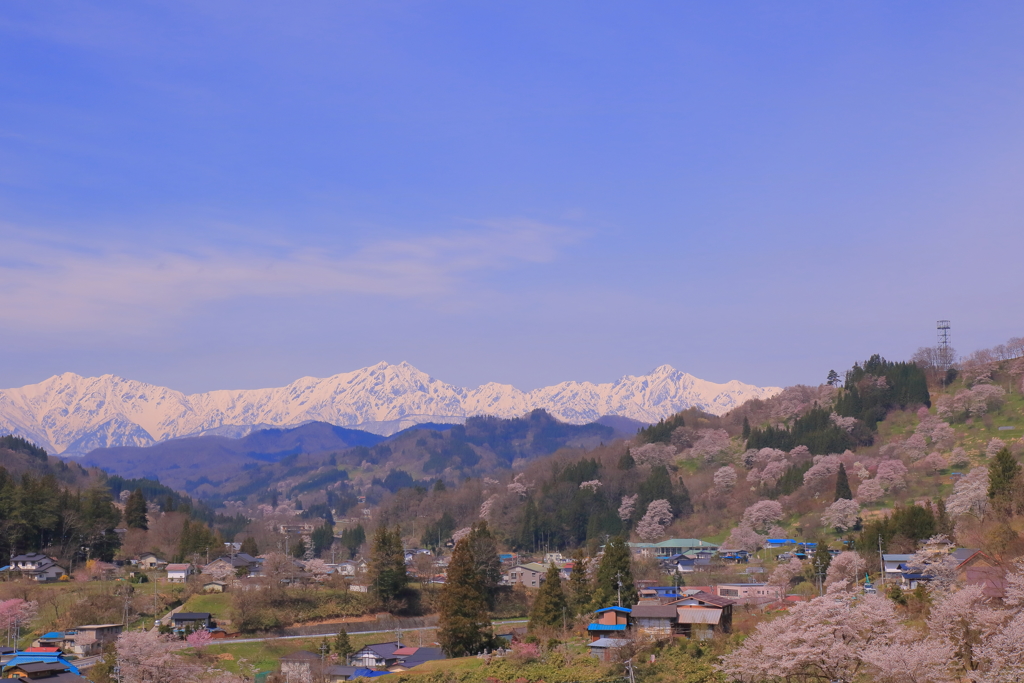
{"x": 485, "y": 557}
{"x": 299, "y": 549}
{"x": 579, "y": 585}
{"x": 529, "y": 527}
{"x": 626, "y": 462}
{"x": 615, "y": 576}
{"x": 135, "y": 511}
{"x": 342, "y": 645}
{"x": 746, "y": 428}
{"x": 196, "y": 539}
{"x": 322, "y": 538}
{"x": 843, "y": 484}
{"x": 1004, "y": 479}
{"x": 833, "y": 378}
{"x": 249, "y": 546}
{"x": 387, "y": 565}
{"x": 353, "y": 539}
{"x": 464, "y": 626}
{"x": 550, "y": 608}
{"x": 169, "y": 504}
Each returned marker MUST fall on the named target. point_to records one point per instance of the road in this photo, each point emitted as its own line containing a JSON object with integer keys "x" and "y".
{"x": 354, "y": 633}
{"x": 86, "y": 662}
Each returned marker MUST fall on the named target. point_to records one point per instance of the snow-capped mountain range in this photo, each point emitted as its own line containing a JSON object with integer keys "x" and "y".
{"x": 71, "y": 415}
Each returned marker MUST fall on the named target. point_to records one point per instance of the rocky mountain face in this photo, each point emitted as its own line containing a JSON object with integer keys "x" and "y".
{"x": 73, "y": 415}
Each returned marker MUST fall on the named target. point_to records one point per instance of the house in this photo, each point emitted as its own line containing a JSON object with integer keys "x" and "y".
{"x": 654, "y": 620}
{"x": 89, "y": 640}
{"x": 359, "y": 588}
{"x": 336, "y": 673}
{"x": 409, "y": 657}
{"x": 605, "y": 648}
{"x": 150, "y": 561}
{"x": 894, "y": 564}
{"x": 700, "y": 614}
{"x": 53, "y": 668}
{"x": 179, "y": 573}
{"x": 530, "y": 575}
{"x": 51, "y": 672}
{"x": 673, "y": 546}
{"x": 978, "y": 569}
{"x": 747, "y": 593}
{"x": 192, "y": 620}
{"x": 301, "y": 666}
{"x": 381, "y": 655}
{"x": 346, "y": 568}
{"x": 215, "y": 587}
{"x": 689, "y": 565}
{"x": 37, "y": 567}
{"x": 239, "y": 564}
{"x": 779, "y": 542}
{"x": 609, "y": 621}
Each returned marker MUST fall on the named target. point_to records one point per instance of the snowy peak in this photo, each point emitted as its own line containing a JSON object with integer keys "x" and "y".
{"x": 72, "y": 415}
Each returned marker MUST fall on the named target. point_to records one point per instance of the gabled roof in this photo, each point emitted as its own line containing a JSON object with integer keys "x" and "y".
{"x": 606, "y": 627}
{"x": 40, "y": 667}
{"x": 707, "y": 599}
{"x": 654, "y": 612}
{"x": 190, "y": 616}
{"x": 29, "y": 557}
{"x": 895, "y": 557}
{"x": 613, "y": 609}
{"x": 178, "y": 567}
{"x": 609, "y": 642}
{"x": 699, "y": 615}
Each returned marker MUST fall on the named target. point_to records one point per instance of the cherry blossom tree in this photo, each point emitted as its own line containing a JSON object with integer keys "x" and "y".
{"x": 762, "y": 515}
{"x": 318, "y": 568}
{"x": 892, "y": 475}
{"x": 841, "y": 514}
{"x": 799, "y": 453}
{"x": 519, "y": 485}
{"x": 653, "y": 454}
{"x": 906, "y": 660}
{"x": 710, "y": 443}
{"x": 772, "y": 472}
{"x": 845, "y": 423}
{"x": 593, "y": 485}
{"x": 487, "y": 507}
{"x": 199, "y": 639}
{"x": 785, "y": 573}
{"x": 744, "y": 538}
{"x": 943, "y": 436}
{"x": 628, "y": 506}
{"x": 870, "y": 491}
{"x": 725, "y": 478}
{"x": 934, "y": 462}
{"x": 846, "y": 566}
{"x": 994, "y": 446}
{"x": 825, "y": 467}
{"x": 970, "y": 495}
{"x": 962, "y": 619}
{"x": 959, "y": 458}
{"x": 914, "y": 447}
{"x": 147, "y": 657}
{"x": 657, "y": 517}
{"x": 17, "y": 614}
{"x": 461, "y": 534}
{"x": 821, "y": 640}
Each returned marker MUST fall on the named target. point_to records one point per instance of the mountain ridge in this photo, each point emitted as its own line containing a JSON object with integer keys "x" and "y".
{"x": 72, "y": 415}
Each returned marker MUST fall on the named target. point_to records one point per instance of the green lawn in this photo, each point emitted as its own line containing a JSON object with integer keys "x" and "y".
{"x": 217, "y": 604}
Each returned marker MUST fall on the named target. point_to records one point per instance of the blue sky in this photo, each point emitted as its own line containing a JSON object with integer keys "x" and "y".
{"x": 236, "y": 194}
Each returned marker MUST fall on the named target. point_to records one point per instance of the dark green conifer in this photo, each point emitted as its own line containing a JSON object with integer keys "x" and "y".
{"x": 746, "y": 428}
{"x": 249, "y": 547}
{"x": 615, "y": 576}
{"x": 579, "y": 585}
{"x": 342, "y": 645}
{"x": 843, "y": 484}
{"x": 626, "y": 462}
{"x": 464, "y": 626}
{"x": 1004, "y": 479}
{"x": 550, "y": 608}
{"x": 387, "y": 573}
{"x": 135, "y": 511}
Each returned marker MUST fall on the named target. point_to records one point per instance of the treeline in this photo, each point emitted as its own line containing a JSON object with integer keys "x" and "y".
{"x": 877, "y": 387}
{"x": 562, "y": 514}
{"x": 814, "y": 429}
{"x": 20, "y": 445}
{"x": 39, "y": 514}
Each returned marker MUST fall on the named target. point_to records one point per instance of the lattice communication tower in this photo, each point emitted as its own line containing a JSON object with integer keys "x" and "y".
{"x": 944, "y": 348}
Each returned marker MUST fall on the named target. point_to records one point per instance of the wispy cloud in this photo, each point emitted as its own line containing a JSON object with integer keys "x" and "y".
{"x": 54, "y": 285}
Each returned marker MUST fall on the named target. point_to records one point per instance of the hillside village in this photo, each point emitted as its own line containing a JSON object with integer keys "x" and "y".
{"x": 701, "y": 548}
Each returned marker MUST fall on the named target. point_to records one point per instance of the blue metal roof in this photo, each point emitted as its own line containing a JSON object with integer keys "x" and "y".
{"x": 616, "y": 609}
{"x": 606, "y": 627}
{"x": 29, "y": 657}
{"x": 52, "y": 634}
{"x": 368, "y": 673}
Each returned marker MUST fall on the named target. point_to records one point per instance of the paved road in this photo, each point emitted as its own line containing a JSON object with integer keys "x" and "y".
{"x": 86, "y": 662}
{"x": 354, "y": 633}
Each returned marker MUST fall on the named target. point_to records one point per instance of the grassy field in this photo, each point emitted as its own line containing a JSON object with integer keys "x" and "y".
{"x": 217, "y": 604}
